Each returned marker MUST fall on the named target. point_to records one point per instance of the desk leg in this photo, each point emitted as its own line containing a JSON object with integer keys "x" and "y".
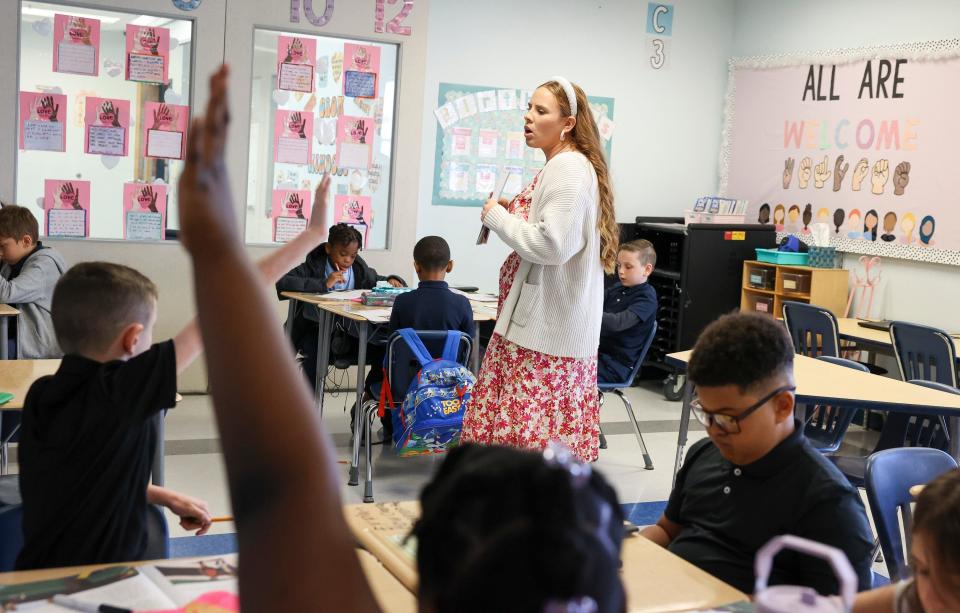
{"x": 684, "y": 426}
{"x": 288, "y": 325}
{"x": 955, "y": 437}
{"x": 475, "y": 353}
{"x": 324, "y": 332}
{"x": 157, "y": 467}
{"x": 3, "y": 450}
{"x": 4, "y": 338}
{"x": 356, "y": 415}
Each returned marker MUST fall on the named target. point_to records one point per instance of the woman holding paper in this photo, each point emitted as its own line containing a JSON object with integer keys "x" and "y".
{"x": 538, "y": 381}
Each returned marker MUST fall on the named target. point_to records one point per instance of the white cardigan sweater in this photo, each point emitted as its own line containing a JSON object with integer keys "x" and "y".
{"x": 556, "y": 301}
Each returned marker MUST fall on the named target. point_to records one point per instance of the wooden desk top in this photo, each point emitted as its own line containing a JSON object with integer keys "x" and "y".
{"x": 390, "y": 593}
{"x": 353, "y": 310}
{"x": 819, "y": 381}
{"x": 8, "y": 311}
{"x": 655, "y": 579}
{"x": 16, "y": 377}
{"x": 850, "y": 329}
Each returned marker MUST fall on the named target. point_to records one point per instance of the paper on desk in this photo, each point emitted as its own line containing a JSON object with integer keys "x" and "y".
{"x": 354, "y": 294}
{"x": 380, "y": 316}
{"x": 475, "y": 297}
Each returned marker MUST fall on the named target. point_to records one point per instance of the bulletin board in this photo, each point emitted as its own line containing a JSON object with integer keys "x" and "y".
{"x": 103, "y": 101}
{"x": 320, "y": 104}
{"x": 486, "y": 139}
{"x": 862, "y": 140}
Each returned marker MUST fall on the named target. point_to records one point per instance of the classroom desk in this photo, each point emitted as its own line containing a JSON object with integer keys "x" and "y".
{"x": 654, "y": 578}
{"x": 16, "y": 377}
{"x": 820, "y": 382}
{"x": 7, "y": 313}
{"x": 851, "y": 330}
{"x": 391, "y": 595}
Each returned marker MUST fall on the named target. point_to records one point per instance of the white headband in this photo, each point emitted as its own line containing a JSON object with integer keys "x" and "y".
{"x": 569, "y": 91}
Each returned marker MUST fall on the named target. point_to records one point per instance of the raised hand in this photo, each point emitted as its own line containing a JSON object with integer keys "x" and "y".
{"x": 297, "y": 205}
{"x": 294, "y": 51}
{"x": 804, "y": 176}
{"x": 147, "y": 192}
{"x": 839, "y": 171}
{"x": 881, "y": 172}
{"x": 859, "y": 174}
{"x": 297, "y": 120}
{"x": 901, "y": 176}
{"x": 318, "y": 218}
{"x": 47, "y": 103}
{"x": 787, "y": 172}
{"x": 107, "y": 108}
{"x": 820, "y": 173}
{"x": 154, "y": 46}
{"x": 161, "y": 115}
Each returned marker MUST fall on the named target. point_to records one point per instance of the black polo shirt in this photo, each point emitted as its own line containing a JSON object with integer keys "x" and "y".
{"x": 728, "y": 512}
{"x": 432, "y": 306}
{"x": 86, "y": 449}
{"x": 619, "y": 348}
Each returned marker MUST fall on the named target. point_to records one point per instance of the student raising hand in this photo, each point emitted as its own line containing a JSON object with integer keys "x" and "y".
{"x": 292, "y": 537}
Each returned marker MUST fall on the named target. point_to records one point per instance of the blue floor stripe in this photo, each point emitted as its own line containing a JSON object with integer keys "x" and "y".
{"x": 643, "y": 513}
{"x": 207, "y": 545}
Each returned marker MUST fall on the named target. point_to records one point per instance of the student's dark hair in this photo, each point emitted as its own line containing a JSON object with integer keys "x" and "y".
{"x": 503, "y": 530}
{"x": 344, "y": 235}
{"x": 742, "y": 349}
{"x": 644, "y": 250}
{"x": 17, "y": 222}
{"x": 937, "y": 518}
{"x": 432, "y": 253}
{"x": 94, "y": 301}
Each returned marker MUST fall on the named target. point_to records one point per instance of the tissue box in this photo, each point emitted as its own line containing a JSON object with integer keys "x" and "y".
{"x": 822, "y": 257}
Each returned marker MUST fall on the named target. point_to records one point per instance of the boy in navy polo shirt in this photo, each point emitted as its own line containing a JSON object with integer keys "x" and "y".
{"x": 757, "y": 476}
{"x": 629, "y": 310}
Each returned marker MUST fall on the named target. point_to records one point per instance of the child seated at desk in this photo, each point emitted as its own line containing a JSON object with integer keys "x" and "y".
{"x": 934, "y": 556}
{"x": 757, "y": 476}
{"x": 629, "y": 311}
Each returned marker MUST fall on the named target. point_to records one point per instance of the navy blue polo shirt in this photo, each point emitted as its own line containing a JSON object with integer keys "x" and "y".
{"x": 619, "y": 348}
{"x": 432, "y": 306}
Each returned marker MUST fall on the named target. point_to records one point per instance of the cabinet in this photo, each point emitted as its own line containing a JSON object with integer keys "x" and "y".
{"x": 765, "y": 287}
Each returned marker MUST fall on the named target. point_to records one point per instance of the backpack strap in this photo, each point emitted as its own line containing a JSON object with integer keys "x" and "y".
{"x": 416, "y": 345}
{"x": 451, "y": 347}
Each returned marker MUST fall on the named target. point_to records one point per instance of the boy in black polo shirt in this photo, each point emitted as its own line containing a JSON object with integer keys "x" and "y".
{"x": 757, "y": 476}
{"x": 629, "y": 311}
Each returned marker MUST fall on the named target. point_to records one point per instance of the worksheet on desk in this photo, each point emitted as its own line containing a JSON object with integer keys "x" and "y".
{"x": 379, "y": 316}
{"x": 354, "y": 294}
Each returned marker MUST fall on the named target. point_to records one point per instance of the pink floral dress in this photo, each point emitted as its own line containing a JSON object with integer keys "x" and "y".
{"x": 524, "y": 398}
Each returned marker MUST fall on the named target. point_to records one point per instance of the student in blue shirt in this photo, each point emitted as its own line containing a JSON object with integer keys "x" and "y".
{"x": 629, "y": 310}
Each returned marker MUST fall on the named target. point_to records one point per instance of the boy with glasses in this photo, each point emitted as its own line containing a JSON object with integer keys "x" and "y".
{"x": 757, "y": 476}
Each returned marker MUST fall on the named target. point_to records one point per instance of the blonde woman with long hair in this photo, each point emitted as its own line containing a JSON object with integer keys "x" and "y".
{"x": 538, "y": 381}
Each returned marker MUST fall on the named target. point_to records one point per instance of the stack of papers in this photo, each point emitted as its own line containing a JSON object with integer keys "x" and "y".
{"x": 379, "y": 316}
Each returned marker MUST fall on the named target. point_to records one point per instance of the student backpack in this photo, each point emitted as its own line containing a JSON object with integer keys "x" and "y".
{"x": 431, "y": 416}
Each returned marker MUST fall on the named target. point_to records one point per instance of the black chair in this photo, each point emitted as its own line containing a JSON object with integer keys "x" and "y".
{"x": 402, "y": 368}
{"x": 826, "y": 426}
{"x": 616, "y": 387}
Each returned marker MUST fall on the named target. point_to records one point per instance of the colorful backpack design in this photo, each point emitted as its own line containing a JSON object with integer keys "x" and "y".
{"x": 431, "y": 416}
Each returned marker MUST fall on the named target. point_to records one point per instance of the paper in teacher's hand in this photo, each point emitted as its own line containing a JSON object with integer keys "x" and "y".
{"x": 497, "y": 193}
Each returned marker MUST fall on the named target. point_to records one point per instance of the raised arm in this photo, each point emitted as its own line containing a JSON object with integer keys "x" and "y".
{"x": 294, "y": 544}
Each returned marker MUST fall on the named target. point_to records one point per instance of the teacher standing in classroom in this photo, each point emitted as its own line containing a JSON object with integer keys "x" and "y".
{"x": 538, "y": 381}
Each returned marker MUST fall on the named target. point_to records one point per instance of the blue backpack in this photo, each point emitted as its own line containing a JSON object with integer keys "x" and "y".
{"x": 431, "y": 416}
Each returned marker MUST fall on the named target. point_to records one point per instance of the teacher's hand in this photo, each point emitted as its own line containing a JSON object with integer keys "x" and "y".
{"x": 491, "y": 203}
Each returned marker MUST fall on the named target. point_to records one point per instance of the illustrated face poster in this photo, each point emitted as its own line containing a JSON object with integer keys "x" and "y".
{"x": 106, "y": 124}
{"x": 290, "y": 212}
{"x": 67, "y": 206}
{"x": 354, "y": 142}
{"x": 76, "y": 45}
{"x": 293, "y": 137}
{"x": 356, "y": 212}
{"x": 361, "y": 70}
{"x": 148, "y": 54}
{"x": 41, "y": 121}
{"x": 144, "y": 211}
{"x": 165, "y": 130}
{"x": 296, "y": 57}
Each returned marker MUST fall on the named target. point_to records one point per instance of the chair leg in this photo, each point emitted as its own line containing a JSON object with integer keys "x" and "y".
{"x": 603, "y": 439}
{"x": 647, "y": 462}
{"x": 358, "y": 421}
{"x": 3, "y": 459}
{"x": 368, "y": 418}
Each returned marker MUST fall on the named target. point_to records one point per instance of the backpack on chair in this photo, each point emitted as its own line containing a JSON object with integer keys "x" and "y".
{"x": 431, "y": 416}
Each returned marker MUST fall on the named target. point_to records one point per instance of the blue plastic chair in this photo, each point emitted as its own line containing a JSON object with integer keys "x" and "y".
{"x": 402, "y": 367}
{"x": 890, "y": 475}
{"x": 814, "y": 330}
{"x": 616, "y": 387}
{"x": 826, "y": 426}
{"x": 11, "y": 535}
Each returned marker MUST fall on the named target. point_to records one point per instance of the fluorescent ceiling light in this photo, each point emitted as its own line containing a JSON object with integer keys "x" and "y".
{"x": 35, "y": 12}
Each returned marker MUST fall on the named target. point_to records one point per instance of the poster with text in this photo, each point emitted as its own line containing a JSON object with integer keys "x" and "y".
{"x": 296, "y": 58}
{"x": 165, "y": 130}
{"x": 292, "y": 137}
{"x": 76, "y": 45}
{"x": 41, "y": 121}
{"x": 290, "y": 211}
{"x": 106, "y": 124}
{"x": 354, "y": 142}
{"x": 863, "y": 145}
{"x": 144, "y": 211}
{"x": 67, "y": 206}
{"x": 356, "y": 212}
{"x": 361, "y": 70}
{"x": 148, "y": 54}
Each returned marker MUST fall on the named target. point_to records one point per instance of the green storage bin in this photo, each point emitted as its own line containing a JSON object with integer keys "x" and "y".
{"x": 786, "y": 258}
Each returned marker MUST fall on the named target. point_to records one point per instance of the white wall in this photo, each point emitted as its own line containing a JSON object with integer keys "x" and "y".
{"x": 915, "y": 291}
{"x": 667, "y": 123}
